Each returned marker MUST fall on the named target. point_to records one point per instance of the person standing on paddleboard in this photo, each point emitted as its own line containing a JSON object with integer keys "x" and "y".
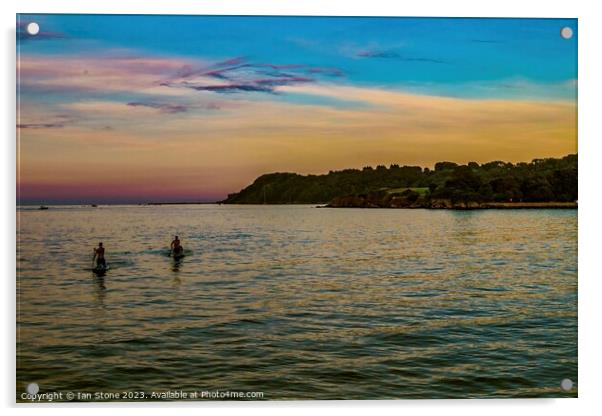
{"x": 176, "y": 247}
{"x": 99, "y": 255}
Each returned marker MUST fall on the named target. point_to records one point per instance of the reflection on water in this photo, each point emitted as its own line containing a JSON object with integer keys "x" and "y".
{"x": 100, "y": 290}
{"x": 299, "y": 302}
{"x": 176, "y": 265}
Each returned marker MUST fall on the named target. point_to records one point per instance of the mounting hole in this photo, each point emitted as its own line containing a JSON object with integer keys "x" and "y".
{"x": 566, "y": 384}
{"x": 32, "y": 388}
{"x": 33, "y": 28}
{"x": 566, "y": 32}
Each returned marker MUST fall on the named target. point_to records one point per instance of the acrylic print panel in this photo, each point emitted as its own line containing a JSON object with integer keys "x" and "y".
{"x": 295, "y": 208}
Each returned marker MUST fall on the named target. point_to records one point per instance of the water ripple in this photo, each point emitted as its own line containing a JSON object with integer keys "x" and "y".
{"x": 300, "y": 303}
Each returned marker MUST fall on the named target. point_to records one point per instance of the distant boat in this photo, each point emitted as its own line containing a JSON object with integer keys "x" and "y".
{"x": 43, "y": 207}
{"x": 94, "y": 205}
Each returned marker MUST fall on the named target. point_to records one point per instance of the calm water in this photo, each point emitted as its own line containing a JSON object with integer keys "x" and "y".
{"x": 299, "y": 302}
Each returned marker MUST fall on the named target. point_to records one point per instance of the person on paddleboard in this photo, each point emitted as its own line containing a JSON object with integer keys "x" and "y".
{"x": 99, "y": 256}
{"x": 176, "y": 247}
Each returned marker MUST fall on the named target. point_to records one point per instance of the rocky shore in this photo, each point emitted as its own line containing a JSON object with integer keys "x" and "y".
{"x": 412, "y": 200}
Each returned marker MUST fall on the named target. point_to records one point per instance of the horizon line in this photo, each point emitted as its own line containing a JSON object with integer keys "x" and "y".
{"x": 147, "y": 202}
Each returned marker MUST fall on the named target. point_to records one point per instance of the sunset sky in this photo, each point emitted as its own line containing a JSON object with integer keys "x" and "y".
{"x": 191, "y": 108}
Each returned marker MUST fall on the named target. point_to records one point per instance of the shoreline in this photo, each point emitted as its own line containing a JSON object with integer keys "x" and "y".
{"x": 487, "y": 205}
{"x": 530, "y": 205}
{"x": 181, "y": 203}
{"x": 475, "y": 206}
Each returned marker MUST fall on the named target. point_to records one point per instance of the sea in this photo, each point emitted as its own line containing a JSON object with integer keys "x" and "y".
{"x": 296, "y": 302}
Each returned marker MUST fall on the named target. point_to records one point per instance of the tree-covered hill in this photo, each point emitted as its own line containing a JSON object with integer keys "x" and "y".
{"x": 542, "y": 180}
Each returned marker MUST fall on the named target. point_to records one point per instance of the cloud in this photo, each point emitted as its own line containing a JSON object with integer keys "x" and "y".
{"x": 256, "y": 85}
{"x": 137, "y": 75}
{"x": 516, "y": 88}
{"x": 40, "y": 125}
{"x": 281, "y": 66}
{"x": 240, "y": 75}
{"x": 228, "y": 88}
{"x": 218, "y": 73}
{"x": 233, "y": 61}
{"x": 42, "y": 115}
{"x": 383, "y": 54}
{"x": 326, "y": 71}
{"x": 107, "y": 73}
{"x": 164, "y": 108}
{"x": 116, "y": 72}
{"x": 171, "y": 108}
{"x": 217, "y": 69}
{"x": 226, "y": 151}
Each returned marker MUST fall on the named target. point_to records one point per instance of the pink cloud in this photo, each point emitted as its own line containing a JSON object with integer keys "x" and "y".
{"x": 100, "y": 73}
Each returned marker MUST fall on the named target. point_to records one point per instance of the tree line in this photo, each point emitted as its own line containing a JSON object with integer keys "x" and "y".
{"x": 541, "y": 180}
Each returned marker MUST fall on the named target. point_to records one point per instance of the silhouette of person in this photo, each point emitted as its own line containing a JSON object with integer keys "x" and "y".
{"x": 99, "y": 255}
{"x": 176, "y": 247}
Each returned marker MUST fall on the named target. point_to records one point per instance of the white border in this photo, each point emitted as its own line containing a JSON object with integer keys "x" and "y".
{"x": 590, "y": 70}
{"x": 508, "y": 8}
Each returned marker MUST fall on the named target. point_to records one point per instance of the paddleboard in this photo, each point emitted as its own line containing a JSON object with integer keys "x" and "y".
{"x": 178, "y": 256}
{"x": 101, "y": 269}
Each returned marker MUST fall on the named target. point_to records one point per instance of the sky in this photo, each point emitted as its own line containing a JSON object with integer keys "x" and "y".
{"x": 123, "y": 108}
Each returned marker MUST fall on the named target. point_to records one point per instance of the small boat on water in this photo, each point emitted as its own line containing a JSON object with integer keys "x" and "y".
{"x": 43, "y": 207}
{"x": 94, "y": 206}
